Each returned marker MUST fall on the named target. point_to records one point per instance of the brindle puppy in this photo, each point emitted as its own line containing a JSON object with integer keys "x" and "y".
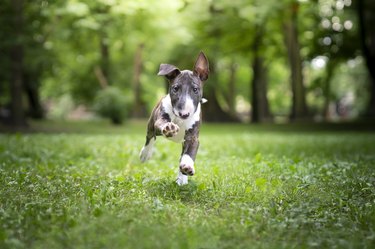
{"x": 177, "y": 116}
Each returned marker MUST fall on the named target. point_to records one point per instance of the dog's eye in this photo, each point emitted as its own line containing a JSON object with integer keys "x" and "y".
{"x": 195, "y": 90}
{"x": 175, "y": 89}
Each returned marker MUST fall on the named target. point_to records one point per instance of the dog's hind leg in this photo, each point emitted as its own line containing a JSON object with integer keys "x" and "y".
{"x": 147, "y": 149}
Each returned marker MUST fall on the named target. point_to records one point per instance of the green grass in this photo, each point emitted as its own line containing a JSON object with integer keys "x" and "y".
{"x": 253, "y": 188}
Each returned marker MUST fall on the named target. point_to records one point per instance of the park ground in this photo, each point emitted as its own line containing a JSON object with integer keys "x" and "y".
{"x": 81, "y": 185}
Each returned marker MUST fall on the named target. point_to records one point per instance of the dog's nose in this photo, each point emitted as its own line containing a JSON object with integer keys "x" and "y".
{"x": 184, "y": 116}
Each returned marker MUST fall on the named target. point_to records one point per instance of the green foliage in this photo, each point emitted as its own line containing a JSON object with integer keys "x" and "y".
{"x": 112, "y": 103}
{"x": 253, "y": 189}
{"x": 63, "y": 106}
{"x": 36, "y": 50}
{"x": 63, "y": 47}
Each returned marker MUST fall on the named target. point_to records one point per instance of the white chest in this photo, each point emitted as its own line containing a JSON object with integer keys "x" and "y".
{"x": 179, "y": 137}
{"x": 183, "y": 124}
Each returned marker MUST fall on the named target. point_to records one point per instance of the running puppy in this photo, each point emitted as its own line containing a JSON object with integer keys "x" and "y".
{"x": 177, "y": 116}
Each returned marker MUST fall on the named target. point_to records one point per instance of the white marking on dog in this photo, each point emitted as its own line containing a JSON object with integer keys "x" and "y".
{"x": 187, "y": 165}
{"x": 181, "y": 179}
{"x": 188, "y": 109}
{"x": 147, "y": 151}
{"x": 184, "y": 124}
{"x": 167, "y": 105}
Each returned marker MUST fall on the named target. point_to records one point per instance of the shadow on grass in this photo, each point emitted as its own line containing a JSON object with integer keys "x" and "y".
{"x": 168, "y": 190}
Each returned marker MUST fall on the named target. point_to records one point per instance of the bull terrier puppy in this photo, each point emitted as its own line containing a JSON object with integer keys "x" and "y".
{"x": 178, "y": 116}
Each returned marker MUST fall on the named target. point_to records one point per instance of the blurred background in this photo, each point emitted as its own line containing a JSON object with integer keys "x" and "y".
{"x": 270, "y": 60}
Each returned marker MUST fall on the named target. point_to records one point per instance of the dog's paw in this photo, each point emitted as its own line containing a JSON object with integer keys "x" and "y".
{"x": 187, "y": 169}
{"x": 147, "y": 151}
{"x": 145, "y": 154}
{"x": 181, "y": 179}
{"x": 187, "y": 165}
{"x": 170, "y": 129}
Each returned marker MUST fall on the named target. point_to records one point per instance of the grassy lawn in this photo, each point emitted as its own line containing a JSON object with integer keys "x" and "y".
{"x": 274, "y": 187}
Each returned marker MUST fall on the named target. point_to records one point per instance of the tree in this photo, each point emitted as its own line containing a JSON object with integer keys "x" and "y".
{"x": 139, "y": 109}
{"x": 25, "y": 40}
{"x": 231, "y": 96}
{"x": 260, "y": 110}
{"x": 335, "y": 39}
{"x": 208, "y": 31}
{"x": 259, "y": 101}
{"x": 16, "y": 57}
{"x": 366, "y": 10}
{"x": 226, "y": 30}
{"x": 299, "y": 107}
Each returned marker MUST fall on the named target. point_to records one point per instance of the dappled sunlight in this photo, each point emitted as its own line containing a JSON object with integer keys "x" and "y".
{"x": 270, "y": 61}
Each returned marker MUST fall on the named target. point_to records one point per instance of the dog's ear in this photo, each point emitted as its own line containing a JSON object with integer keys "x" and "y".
{"x": 169, "y": 71}
{"x": 201, "y": 67}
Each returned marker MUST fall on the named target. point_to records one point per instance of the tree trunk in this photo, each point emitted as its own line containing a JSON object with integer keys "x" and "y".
{"x": 212, "y": 111}
{"x": 264, "y": 106}
{"x": 299, "y": 107}
{"x": 366, "y": 10}
{"x": 101, "y": 71}
{"x": 35, "y": 109}
{"x": 259, "y": 101}
{"x": 327, "y": 89}
{"x": 370, "y": 112}
{"x": 231, "y": 97}
{"x": 104, "y": 56}
{"x": 101, "y": 77}
{"x": 16, "y": 56}
{"x": 139, "y": 108}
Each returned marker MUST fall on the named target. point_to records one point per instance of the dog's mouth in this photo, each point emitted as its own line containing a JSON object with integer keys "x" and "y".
{"x": 181, "y": 114}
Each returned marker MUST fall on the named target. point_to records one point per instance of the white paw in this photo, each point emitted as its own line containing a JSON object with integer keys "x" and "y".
{"x": 146, "y": 151}
{"x": 187, "y": 165}
{"x": 170, "y": 129}
{"x": 181, "y": 179}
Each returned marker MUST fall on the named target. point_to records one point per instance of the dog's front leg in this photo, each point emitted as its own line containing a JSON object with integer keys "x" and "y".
{"x": 189, "y": 152}
{"x": 158, "y": 124}
{"x": 166, "y": 128}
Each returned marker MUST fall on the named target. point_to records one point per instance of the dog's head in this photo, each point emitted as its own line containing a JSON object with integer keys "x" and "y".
{"x": 186, "y": 87}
